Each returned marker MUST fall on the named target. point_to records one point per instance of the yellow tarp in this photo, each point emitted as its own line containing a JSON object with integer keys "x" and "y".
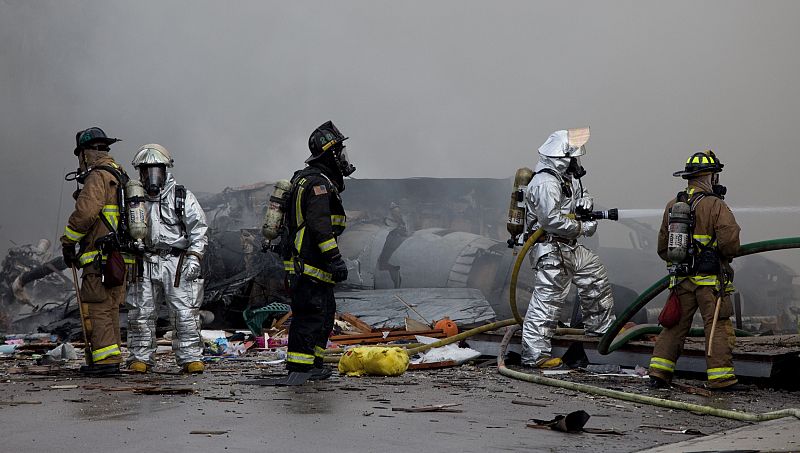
{"x": 374, "y": 361}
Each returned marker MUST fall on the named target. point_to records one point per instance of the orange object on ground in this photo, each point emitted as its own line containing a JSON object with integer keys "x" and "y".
{"x": 449, "y": 327}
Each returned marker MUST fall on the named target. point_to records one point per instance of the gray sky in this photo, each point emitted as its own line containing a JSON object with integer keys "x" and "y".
{"x": 445, "y": 88}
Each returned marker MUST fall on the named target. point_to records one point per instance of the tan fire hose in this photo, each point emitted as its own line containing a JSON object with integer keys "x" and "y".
{"x": 85, "y": 328}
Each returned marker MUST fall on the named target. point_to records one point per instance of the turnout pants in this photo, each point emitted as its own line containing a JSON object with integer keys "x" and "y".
{"x": 313, "y": 312}
{"x": 553, "y": 273}
{"x": 101, "y": 308}
{"x": 669, "y": 344}
{"x": 157, "y": 287}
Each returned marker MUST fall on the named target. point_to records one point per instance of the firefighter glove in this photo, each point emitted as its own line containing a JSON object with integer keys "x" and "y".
{"x": 70, "y": 257}
{"x": 585, "y": 203}
{"x": 588, "y": 227}
{"x": 338, "y": 269}
{"x": 191, "y": 268}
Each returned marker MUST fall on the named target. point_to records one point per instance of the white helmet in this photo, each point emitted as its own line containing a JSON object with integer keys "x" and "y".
{"x": 567, "y": 143}
{"x": 152, "y": 154}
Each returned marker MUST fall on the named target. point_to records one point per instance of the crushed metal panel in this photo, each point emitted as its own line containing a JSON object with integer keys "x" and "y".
{"x": 382, "y": 308}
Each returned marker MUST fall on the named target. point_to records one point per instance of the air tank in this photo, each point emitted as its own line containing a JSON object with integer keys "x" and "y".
{"x": 516, "y": 210}
{"x": 273, "y": 218}
{"x": 137, "y": 215}
{"x": 678, "y": 242}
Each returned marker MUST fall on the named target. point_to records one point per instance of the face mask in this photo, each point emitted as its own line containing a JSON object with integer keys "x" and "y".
{"x": 344, "y": 163}
{"x": 575, "y": 168}
{"x": 718, "y": 189}
{"x": 153, "y": 178}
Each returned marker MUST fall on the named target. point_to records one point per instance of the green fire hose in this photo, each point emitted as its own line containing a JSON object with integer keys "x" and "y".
{"x": 605, "y": 345}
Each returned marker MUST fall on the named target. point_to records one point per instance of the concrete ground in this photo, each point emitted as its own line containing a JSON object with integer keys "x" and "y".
{"x": 72, "y": 413}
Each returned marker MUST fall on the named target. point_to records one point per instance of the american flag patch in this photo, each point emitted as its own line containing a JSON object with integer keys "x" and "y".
{"x": 320, "y": 190}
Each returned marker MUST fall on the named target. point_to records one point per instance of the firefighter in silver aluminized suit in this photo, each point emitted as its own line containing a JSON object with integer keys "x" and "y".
{"x": 175, "y": 242}
{"x": 558, "y": 259}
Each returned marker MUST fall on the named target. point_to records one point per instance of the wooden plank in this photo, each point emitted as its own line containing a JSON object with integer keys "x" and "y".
{"x": 432, "y": 365}
{"x": 368, "y": 341}
{"x": 390, "y": 335}
{"x": 283, "y": 319}
{"x": 357, "y": 323}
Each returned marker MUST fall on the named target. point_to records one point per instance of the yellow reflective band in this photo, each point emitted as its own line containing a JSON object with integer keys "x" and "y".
{"x": 328, "y": 245}
{"x": 704, "y": 280}
{"x": 661, "y": 367}
{"x": 111, "y": 213}
{"x": 298, "y": 239}
{"x": 662, "y": 364}
{"x": 299, "y": 357}
{"x": 88, "y": 257}
{"x": 720, "y": 373}
{"x": 105, "y": 353}
{"x": 319, "y": 274}
{"x": 73, "y": 235}
{"x": 288, "y": 265}
{"x": 690, "y": 191}
{"x": 702, "y": 238}
{"x": 318, "y": 351}
{"x": 298, "y": 212}
{"x": 339, "y": 220}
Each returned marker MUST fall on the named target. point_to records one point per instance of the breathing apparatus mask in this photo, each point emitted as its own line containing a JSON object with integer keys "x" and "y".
{"x": 343, "y": 162}
{"x": 575, "y": 168}
{"x": 718, "y": 189}
{"x": 153, "y": 178}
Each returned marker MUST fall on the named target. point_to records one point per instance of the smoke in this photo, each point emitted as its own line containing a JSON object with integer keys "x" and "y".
{"x": 448, "y": 89}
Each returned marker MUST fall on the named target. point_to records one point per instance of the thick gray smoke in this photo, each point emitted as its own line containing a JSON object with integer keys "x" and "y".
{"x": 450, "y": 88}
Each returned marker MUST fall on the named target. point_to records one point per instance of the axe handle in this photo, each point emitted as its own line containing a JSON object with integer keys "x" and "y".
{"x": 714, "y": 326}
{"x": 87, "y": 350}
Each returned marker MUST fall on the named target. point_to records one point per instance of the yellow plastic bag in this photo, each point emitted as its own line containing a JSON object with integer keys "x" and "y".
{"x": 374, "y": 361}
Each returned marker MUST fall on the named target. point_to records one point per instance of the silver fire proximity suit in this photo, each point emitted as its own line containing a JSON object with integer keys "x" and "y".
{"x": 169, "y": 236}
{"x": 558, "y": 259}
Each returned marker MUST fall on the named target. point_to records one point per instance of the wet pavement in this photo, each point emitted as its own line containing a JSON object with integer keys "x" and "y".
{"x": 340, "y": 414}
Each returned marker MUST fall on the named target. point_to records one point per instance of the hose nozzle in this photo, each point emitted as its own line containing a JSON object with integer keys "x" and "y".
{"x": 611, "y": 214}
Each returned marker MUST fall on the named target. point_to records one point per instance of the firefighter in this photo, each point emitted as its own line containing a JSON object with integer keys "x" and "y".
{"x": 96, "y": 216}
{"x": 315, "y": 218}
{"x": 706, "y": 279}
{"x": 174, "y": 246}
{"x": 558, "y": 259}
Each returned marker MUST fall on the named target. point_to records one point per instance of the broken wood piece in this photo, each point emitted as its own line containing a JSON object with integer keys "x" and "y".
{"x": 353, "y": 320}
{"x": 283, "y": 319}
{"x": 528, "y": 403}
{"x": 432, "y": 365}
{"x": 63, "y": 387}
{"x": 434, "y": 408}
{"x": 16, "y": 403}
{"x": 210, "y": 433}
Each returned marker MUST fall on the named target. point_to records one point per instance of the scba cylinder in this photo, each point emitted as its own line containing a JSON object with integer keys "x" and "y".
{"x": 273, "y": 218}
{"x": 137, "y": 214}
{"x": 516, "y": 210}
{"x": 678, "y": 241}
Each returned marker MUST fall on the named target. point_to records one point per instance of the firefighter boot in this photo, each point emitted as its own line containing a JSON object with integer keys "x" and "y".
{"x": 193, "y": 368}
{"x": 107, "y": 369}
{"x": 320, "y": 374}
{"x": 138, "y": 367}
